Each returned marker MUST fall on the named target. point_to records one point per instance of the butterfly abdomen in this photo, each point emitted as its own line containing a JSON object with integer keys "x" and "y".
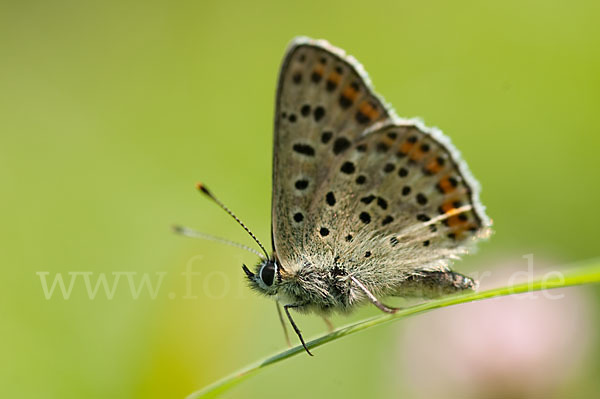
{"x": 431, "y": 284}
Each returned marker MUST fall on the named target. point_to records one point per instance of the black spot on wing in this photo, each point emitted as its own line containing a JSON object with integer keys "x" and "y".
{"x": 382, "y": 147}
{"x": 305, "y": 110}
{"x": 368, "y": 199}
{"x": 304, "y": 149}
{"x": 365, "y": 217}
{"x": 423, "y": 218}
{"x": 362, "y": 118}
{"x": 326, "y": 136}
{"x": 301, "y": 184}
{"x": 348, "y": 168}
{"x": 330, "y": 85}
{"x": 319, "y": 113}
{"x": 389, "y": 167}
{"x": 340, "y": 145}
{"x": 345, "y": 102}
{"x": 330, "y": 198}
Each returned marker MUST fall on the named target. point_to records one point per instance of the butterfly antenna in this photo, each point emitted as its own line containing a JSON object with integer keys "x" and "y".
{"x": 187, "y": 232}
{"x": 202, "y": 188}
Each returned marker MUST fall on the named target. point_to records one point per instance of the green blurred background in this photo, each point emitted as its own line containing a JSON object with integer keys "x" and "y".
{"x": 110, "y": 111}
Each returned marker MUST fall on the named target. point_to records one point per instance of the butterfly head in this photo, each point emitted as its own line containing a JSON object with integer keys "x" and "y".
{"x": 266, "y": 278}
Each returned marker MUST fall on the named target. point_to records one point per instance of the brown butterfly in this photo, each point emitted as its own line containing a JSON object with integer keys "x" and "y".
{"x": 365, "y": 204}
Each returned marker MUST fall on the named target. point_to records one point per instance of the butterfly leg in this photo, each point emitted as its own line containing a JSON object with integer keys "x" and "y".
{"x": 329, "y": 324}
{"x": 285, "y": 331}
{"x": 296, "y": 329}
{"x": 373, "y": 299}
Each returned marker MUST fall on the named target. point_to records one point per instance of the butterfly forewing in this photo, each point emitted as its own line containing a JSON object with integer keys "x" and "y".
{"x": 323, "y": 105}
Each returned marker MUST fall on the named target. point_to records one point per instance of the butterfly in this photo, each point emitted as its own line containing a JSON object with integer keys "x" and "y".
{"x": 365, "y": 204}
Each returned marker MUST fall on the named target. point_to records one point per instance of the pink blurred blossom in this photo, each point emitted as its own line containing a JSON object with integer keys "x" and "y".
{"x": 520, "y": 346}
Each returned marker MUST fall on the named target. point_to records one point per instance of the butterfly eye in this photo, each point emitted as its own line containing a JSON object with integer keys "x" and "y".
{"x": 267, "y": 273}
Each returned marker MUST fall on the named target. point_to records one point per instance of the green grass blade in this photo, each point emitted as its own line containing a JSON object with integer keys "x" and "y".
{"x": 587, "y": 272}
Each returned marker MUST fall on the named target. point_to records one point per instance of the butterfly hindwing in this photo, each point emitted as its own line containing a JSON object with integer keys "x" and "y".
{"x": 324, "y": 102}
{"x": 403, "y": 202}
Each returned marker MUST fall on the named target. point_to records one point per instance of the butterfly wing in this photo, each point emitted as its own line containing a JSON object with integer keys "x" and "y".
{"x": 355, "y": 185}
{"x": 398, "y": 202}
{"x": 324, "y": 103}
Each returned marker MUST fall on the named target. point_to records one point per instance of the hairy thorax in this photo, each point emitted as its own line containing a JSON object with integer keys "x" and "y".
{"x": 320, "y": 290}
